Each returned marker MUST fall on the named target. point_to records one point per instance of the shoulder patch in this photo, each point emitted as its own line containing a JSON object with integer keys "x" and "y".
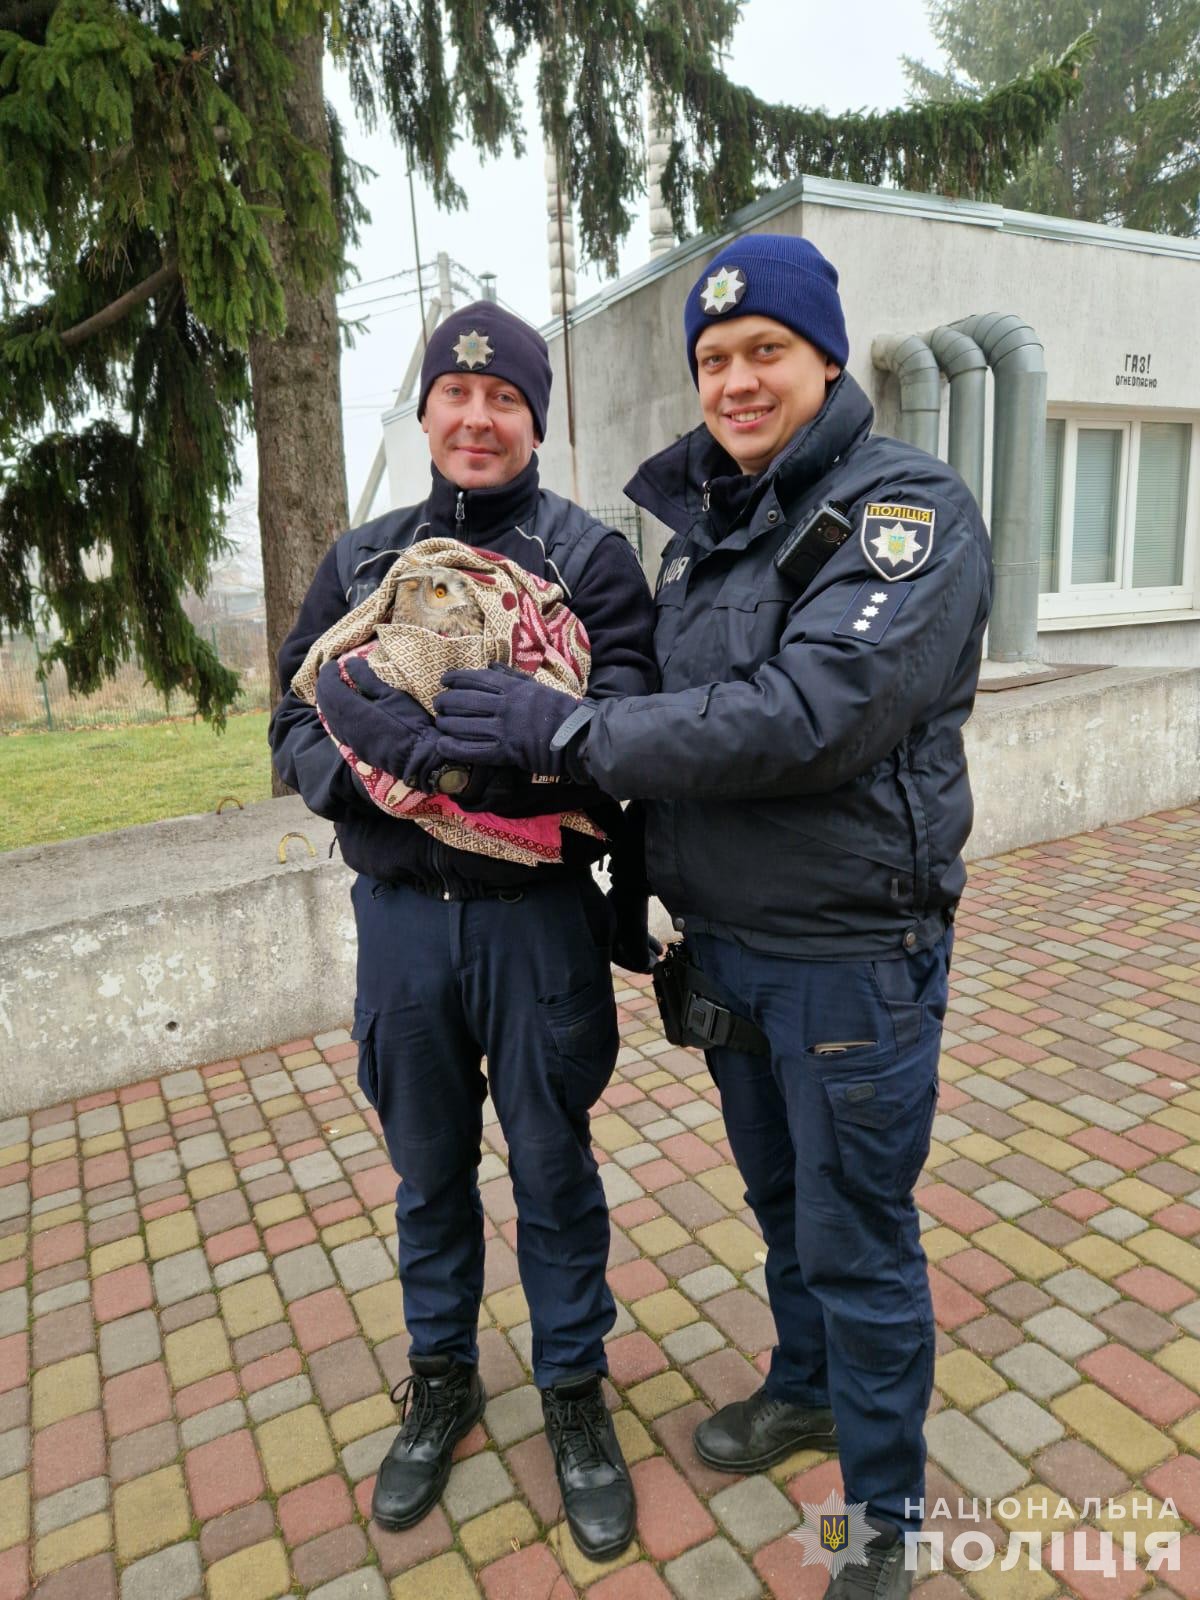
{"x": 895, "y": 539}
{"x": 870, "y": 613}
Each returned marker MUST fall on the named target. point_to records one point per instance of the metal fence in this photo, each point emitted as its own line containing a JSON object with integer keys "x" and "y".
{"x": 27, "y": 703}
{"x": 625, "y": 519}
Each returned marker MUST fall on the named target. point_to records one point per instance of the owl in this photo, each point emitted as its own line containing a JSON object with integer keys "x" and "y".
{"x": 439, "y": 600}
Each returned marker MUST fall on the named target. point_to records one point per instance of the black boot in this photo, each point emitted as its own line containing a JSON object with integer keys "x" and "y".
{"x": 597, "y": 1493}
{"x": 439, "y": 1403}
{"x": 884, "y": 1576}
{"x": 755, "y": 1433}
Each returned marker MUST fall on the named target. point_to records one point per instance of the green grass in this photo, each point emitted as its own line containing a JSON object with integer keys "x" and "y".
{"x": 63, "y": 785}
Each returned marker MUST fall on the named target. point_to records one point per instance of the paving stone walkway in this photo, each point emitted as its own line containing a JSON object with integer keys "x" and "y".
{"x": 199, "y": 1318}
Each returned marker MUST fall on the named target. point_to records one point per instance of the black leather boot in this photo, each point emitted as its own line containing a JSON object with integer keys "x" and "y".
{"x": 755, "y": 1433}
{"x": 439, "y": 1403}
{"x": 884, "y": 1575}
{"x": 597, "y": 1493}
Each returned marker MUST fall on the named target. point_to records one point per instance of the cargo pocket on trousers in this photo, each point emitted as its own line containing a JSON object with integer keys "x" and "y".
{"x": 583, "y": 1028}
{"x": 882, "y": 1119}
{"x": 363, "y": 1032}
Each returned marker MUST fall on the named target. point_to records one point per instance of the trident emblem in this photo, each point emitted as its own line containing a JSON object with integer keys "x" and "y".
{"x": 833, "y": 1532}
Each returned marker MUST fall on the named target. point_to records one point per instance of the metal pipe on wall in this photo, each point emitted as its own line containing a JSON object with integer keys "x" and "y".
{"x": 910, "y": 358}
{"x": 965, "y": 365}
{"x": 1015, "y": 354}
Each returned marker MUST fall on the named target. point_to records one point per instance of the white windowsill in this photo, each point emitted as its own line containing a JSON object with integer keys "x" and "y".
{"x": 1115, "y": 619}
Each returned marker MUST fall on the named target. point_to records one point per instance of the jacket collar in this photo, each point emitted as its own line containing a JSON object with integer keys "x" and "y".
{"x": 484, "y": 512}
{"x": 672, "y": 484}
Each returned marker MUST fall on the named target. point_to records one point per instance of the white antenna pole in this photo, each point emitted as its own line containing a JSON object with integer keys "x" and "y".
{"x": 658, "y": 151}
{"x": 560, "y": 239}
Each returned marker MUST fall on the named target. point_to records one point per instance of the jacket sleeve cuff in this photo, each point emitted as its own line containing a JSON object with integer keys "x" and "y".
{"x": 574, "y": 724}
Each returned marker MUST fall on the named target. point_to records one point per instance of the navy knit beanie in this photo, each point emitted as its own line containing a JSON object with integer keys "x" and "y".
{"x": 776, "y": 275}
{"x": 485, "y": 338}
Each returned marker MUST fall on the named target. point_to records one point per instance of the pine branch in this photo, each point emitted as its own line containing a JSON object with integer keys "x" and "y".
{"x": 156, "y": 146}
{"x": 963, "y": 146}
{"x": 122, "y": 306}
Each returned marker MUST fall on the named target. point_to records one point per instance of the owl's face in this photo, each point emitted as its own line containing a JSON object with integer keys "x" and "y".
{"x": 439, "y": 600}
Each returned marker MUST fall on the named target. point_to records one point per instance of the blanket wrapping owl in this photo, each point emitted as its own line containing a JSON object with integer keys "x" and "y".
{"x": 525, "y": 625}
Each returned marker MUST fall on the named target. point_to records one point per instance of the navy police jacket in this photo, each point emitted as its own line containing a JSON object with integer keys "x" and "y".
{"x": 550, "y": 537}
{"x": 803, "y": 769}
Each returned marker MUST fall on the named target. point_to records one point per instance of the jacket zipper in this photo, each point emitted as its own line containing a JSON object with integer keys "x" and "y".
{"x": 436, "y": 863}
{"x": 460, "y": 510}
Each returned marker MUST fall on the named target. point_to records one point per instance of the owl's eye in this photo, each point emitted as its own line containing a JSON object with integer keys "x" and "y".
{"x": 440, "y": 591}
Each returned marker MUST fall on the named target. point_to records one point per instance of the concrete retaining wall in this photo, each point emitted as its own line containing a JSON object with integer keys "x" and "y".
{"x": 184, "y": 942}
{"x": 167, "y": 946}
{"x": 1053, "y": 759}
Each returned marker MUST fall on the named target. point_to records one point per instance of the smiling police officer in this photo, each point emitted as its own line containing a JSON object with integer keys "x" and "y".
{"x": 462, "y": 956}
{"x": 821, "y": 611}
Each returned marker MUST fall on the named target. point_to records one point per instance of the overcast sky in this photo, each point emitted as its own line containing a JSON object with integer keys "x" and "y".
{"x": 843, "y": 57}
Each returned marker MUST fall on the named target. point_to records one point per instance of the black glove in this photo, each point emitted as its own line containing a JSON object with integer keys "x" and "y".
{"x": 508, "y": 792}
{"x": 382, "y": 725}
{"x": 502, "y": 718}
{"x": 503, "y": 791}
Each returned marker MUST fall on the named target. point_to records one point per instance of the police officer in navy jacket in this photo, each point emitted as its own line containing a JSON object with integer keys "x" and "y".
{"x": 461, "y": 956}
{"x": 820, "y": 616}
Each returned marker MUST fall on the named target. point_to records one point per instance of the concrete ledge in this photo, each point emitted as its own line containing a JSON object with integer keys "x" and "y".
{"x": 131, "y": 954}
{"x": 167, "y": 946}
{"x": 1052, "y": 759}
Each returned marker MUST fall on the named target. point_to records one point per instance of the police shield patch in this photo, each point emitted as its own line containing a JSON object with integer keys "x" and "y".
{"x": 896, "y": 540}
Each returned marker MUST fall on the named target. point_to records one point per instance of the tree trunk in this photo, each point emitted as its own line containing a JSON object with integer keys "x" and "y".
{"x": 298, "y": 407}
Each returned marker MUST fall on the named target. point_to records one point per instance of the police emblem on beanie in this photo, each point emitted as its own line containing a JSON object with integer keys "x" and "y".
{"x": 473, "y": 350}
{"x": 724, "y": 289}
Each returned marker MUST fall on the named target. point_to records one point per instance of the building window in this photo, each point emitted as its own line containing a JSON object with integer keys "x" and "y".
{"x": 1160, "y": 519}
{"x": 1115, "y": 514}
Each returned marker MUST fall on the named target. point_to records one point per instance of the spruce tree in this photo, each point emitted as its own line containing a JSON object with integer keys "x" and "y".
{"x": 1127, "y": 152}
{"x": 175, "y": 208}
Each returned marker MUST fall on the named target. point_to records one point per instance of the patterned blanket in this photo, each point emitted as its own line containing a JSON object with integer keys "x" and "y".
{"x": 525, "y": 625}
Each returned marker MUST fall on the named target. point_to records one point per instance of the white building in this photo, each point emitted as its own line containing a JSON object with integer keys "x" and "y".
{"x": 1116, "y": 311}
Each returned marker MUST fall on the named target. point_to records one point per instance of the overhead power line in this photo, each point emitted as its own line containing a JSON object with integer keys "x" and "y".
{"x": 370, "y": 283}
{"x": 379, "y": 299}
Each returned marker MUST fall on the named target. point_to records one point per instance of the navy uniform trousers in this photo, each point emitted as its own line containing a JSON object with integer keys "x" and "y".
{"x": 522, "y": 978}
{"x": 830, "y": 1134}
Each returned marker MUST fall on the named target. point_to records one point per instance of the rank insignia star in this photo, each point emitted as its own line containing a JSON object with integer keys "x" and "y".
{"x": 896, "y": 539}
{"x": 473, "y": 350}
{"x": 869, "y": 614}
{"x": 722, "y": 290}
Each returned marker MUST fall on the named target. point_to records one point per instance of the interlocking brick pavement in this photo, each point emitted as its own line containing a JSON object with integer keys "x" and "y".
{"x": 199, "y": 1322}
